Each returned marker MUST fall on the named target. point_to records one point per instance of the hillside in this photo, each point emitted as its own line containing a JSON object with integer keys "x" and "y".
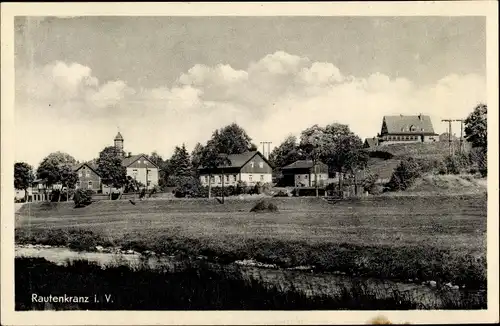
{"x": 418, "y": 150}
{"x": 384, "y": 159}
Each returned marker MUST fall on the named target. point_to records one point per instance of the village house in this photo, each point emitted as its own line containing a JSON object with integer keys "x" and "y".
{"x": 250, "y": 167}
{"x": 407, "y": 129}
{"x": 301, "y": 173}
{"x": 88, "y": 177}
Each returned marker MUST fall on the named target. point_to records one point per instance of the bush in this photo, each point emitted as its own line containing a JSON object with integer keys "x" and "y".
{"x": 479, "y": 161}
{"x": 264, "y": 206}
{"x": 368, "y": 183}
{"x": 188, "y": 187}
{"x": 455, "y": 164}
{"x": 404, "y": 175}
{"x": 83, "y": 197}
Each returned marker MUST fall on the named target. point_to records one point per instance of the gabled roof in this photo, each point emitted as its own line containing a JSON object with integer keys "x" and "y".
{"x": 402, "y": 124}
{"x": 91, "y": 165}
{"x": 240, "y": 160}
{"x": 127, "y": 161}
{"x": 301, "y": 164}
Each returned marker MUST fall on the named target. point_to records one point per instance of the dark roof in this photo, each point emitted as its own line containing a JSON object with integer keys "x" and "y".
{"x": 119, "y": 136}
{"x": 90, "y": 164}
{"x": 239, "y": 160}
{"x": 127, "y": 161}
{"x": 301, "y": 164}
{"x": 371, "y": 142}
{"x": 401, "y": 124}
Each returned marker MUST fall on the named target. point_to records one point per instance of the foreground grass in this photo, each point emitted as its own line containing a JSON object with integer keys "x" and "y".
{"x": 195, "y": 288}
{"x": 425, "y": 238}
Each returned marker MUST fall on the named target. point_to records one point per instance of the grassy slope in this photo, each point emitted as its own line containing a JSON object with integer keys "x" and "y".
{"x": 408, "y": 237}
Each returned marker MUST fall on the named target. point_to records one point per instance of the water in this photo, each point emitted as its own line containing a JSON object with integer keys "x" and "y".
{"x": 305, "y": 280}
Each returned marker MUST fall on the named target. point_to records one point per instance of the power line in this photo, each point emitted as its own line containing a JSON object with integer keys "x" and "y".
{"x": 461, "y": 134}
{"x": 449, "y": 133}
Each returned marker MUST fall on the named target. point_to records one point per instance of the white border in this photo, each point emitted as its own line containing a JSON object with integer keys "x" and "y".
{"x": 445, "y": 8}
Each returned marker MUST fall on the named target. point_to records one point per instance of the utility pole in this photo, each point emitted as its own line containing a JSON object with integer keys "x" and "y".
{"x": 449, "y": 133}
{"x": 264, "y": 143}
{"x": 461, "y": 134}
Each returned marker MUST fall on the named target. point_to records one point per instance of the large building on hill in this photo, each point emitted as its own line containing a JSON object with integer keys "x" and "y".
{"x": 250, "y": 167}
{"x": 407, "y": 128}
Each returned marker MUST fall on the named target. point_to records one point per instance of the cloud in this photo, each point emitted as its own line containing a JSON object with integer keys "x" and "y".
{"x": 278, "y": 95}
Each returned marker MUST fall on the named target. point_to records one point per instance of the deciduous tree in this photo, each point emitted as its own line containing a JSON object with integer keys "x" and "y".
{"x": 286, "y": 153}
{"x": 232, "y": 139}
{"x": 57, "y": 169}
{"x": 476, "y": 127}
{"x": 110, "y": 168}
{"x": 212, "y": 159}
{"x": 23, "y": 177}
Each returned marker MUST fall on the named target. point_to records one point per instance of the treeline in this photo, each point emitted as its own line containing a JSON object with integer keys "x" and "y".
{"x": 334, "y": 144}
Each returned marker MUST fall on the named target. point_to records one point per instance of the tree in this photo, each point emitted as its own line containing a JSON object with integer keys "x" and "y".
{"x": 344, "y": 152}
{"x": 57, "y": 168}
{"x": 181, "y": 162}
{"x": 156, "y": 158}
{"x": 286, "y": 153}
{"x": 196, "y": 157}
{"x": 212, "y": 159}
{"x": 404, "y": 175}
{"x": 232, "y": 139}
{"x": 313, "y": 143}
{"x": 23, "y": 177}
{"x": 110, "y": 168}
{"x": 476, "y": 127}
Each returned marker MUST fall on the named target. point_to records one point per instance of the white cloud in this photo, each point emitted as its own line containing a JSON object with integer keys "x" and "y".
{"x": 278, "y": 95}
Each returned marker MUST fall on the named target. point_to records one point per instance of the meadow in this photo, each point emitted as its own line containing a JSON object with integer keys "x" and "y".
{"x": 440, "y": 238}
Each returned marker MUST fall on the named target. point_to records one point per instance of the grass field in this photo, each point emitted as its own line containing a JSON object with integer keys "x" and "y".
{"x": 429, "y": 238}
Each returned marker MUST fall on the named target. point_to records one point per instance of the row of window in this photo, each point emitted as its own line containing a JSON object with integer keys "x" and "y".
{"x": 261, "y": 164}
{"x": 402, "y": 137}
{"x": 89, "y": 184}
{"x": 229, "y": 178}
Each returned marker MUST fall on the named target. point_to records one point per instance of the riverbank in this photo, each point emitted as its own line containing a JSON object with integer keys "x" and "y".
{"x": 440, "y": 239}
{"x": 199, "y": 285}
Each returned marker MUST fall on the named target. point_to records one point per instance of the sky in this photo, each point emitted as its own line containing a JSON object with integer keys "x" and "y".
{"x": 164, "y": 81}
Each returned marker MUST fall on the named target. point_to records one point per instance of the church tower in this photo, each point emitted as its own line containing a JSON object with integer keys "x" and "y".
{"x": 119, "y": 141}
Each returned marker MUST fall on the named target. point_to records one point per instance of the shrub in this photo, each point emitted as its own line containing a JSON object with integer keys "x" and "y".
{"x": 188, "y": 187}
{"x": 478, "y": 160}
{"x": 264, "y": 206}
{"x": 455, "y": 164}
{"x": 83, "y": 197}
{"x": 404, "y": 175}
{"x": 368, "y": 183}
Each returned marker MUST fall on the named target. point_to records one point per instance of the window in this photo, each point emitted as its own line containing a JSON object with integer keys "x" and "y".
{"x": 219, "y": 179}
{"x": 305, "y": 176}
{"x": 261, "y": 165}
{"x": 250, "y": 178}
{"x": 90, "y": 185}
{"x": 227, "y": 178}
{"x": 206, "y": 179}
{"x": 261, "y": 177}
{"x": 87, "y": 174}
{"x": 80, "y": 174}
{"x": 212, "y": 178}
{"x": 78, "y": 184}
{"x": 235, "y": 177}
{"x": 149, "y": 183}
{"x": 251, "y": 164}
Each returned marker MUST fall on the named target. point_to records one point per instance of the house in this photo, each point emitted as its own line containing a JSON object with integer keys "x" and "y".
{"x": 88, "y": 177}
{"x": 301, "y": 173}
{"x": 250, "y": 167}
{"x": 142, "y": 169}
{"x": 406, "y": 129}
{"x": 370, "y": 142}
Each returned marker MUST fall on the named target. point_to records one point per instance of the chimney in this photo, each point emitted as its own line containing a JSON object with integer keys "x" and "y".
{"x": 129, "y": 154}
{"x": 420, "y": 116}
